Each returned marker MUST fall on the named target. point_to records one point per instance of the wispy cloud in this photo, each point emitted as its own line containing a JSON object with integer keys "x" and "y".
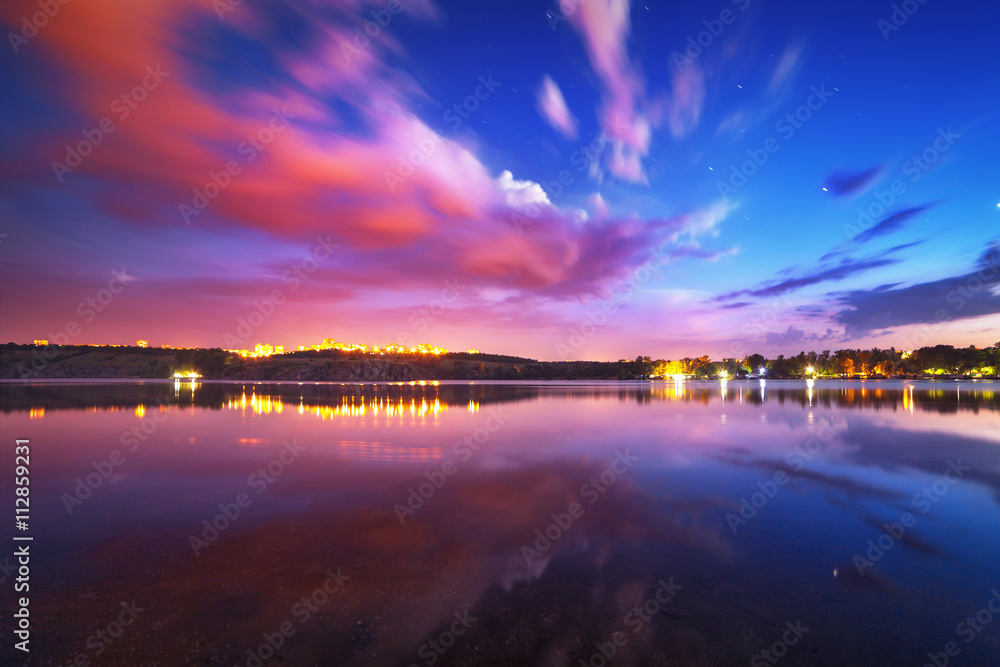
{"x": 890, "y": 223}
{"x": 605, "y": 27}
{"x": 966, "y": 295}
{"x": 844, "y": 183}
{"x": 786, "y": 67}
{"x": 552, "y": 106}
{"x": 844, "y": 270}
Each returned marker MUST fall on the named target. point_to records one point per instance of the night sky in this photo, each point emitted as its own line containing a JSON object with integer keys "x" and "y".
{"x": 585, "y": 180}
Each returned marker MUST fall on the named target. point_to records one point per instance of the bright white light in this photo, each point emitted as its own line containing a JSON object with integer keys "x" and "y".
{"x": 762, "y": 370}
{"x": 678, "y": 377}
{"x": 809, "y": 370}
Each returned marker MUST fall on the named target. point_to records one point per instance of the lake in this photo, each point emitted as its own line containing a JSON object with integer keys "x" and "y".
{"x": 688, "y": 523}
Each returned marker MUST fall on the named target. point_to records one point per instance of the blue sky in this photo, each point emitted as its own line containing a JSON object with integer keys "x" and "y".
{"x": 549, "y": 79}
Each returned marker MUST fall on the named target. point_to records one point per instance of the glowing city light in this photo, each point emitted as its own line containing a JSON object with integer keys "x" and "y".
{"x": 260, "y": 350}
{"x": 391, "y": 348}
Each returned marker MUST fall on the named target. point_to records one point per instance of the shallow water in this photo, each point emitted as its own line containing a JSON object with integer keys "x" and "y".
{"x": 677, "y": 524}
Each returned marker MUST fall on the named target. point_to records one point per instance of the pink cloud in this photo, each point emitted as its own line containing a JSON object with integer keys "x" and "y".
{"x": 627, "y": 112}
{"x": 552, "y": 106}
{"x": 605, "y": 27}
{"x": 411, "y": 208}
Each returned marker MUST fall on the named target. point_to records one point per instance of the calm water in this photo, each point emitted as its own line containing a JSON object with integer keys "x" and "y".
{"x": 847, "y": 523}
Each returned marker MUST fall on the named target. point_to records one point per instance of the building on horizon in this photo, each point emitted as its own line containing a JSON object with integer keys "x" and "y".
{"x": 391, "y": 348}
{"x": 260, "y": 350}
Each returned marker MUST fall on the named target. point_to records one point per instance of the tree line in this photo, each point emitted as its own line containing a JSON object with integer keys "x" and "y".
{"x": 83, "y": 361}
{"x": 935, "y": 360}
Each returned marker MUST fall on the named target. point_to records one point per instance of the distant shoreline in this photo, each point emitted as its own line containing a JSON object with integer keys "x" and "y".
{"x": 451, "y": 382}
{"x": 68, "y": 362}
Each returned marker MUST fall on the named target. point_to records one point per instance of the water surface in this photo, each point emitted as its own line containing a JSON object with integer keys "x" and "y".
{"x": 694, "y": 523}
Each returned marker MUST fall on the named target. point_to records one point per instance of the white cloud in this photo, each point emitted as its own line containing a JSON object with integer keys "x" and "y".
{"x": 706, "y": 220}
{"x": 520, "y": 194}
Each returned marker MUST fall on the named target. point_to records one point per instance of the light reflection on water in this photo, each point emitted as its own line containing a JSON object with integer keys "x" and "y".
{"x": 855, "y": 456}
